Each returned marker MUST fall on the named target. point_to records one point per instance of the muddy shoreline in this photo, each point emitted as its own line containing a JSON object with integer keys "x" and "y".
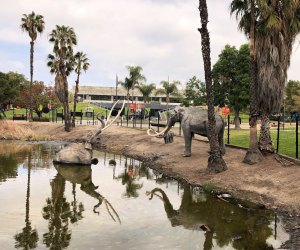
{"x": 273, "y": 183}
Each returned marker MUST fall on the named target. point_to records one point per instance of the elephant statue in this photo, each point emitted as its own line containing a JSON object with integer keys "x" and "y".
{"x": 223, "y": 222}
{"x": 194, "y": 120}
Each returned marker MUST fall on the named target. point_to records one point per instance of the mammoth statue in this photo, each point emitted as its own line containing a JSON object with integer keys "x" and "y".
{"x": 194, "y": 120}
{"x": 82, "y": 153}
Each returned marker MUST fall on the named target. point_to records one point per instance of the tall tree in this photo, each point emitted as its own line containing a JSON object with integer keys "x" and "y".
{"x": 32, "y": 24}
{"x": 278, "y": 24}
{"x": 246, "y": 11}
{"x": 80, "y": 63}
{"x": 146, "y": 90}
{"x": 195, "y": 92}
{"x": 168, "y": 89}
{"x": 215, "y": 161}
{"x": 231, "y": 79}
{"x": 61, "y": 64}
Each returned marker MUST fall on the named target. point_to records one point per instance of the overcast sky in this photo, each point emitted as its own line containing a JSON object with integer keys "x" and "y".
{"x": 159, "y": 35}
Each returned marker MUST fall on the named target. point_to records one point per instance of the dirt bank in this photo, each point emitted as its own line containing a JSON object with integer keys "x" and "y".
{"x": 274, "y": 182}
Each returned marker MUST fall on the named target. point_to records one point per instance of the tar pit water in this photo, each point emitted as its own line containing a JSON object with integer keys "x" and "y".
{"x": 116, "y": 204}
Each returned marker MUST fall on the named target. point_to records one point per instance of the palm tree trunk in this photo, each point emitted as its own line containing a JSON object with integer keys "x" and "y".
{"x": 66, "y": 107}
{"x": 253, "y": 155}
{"x": 31, "y": 80}
{"x": 216, "y": 163}
{"x": 265, "y": 144}
{"x": 75, "y": 99}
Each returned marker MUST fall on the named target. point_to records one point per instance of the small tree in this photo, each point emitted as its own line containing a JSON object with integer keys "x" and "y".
{"x": 81, "y": 63}
{"x": 168, "y": 89}
{"x": 195, "y": 92}
{"x": 231, "y": 79}
{"x": 146, "y": 90}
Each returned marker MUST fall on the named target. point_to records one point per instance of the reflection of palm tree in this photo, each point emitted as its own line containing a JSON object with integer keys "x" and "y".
{"x": 57, "y": 212}
{"x": 77, "y": 210}
{"x": 28, "y": 238}
{"x": 128, "y": 179}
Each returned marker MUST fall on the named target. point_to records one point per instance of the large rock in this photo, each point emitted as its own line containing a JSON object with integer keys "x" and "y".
{"x": 75, "y": 153}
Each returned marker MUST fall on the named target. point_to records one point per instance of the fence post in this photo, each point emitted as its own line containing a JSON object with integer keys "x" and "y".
{"x": 62, "y": 118}
{"x": 158, "y": 123}
{"x": 93, "y": 117}
{"x": 141, "y": 125}
{"x": 228, "y": 131}
{"x": 127, "y": 117}
{"x": 13, "y": 114}
{"x": 149, "y": 121}
{"x": 297, "y": 123}
{"x": 106, "y": 114}
{"x": 81, "y": 118}
{"x": 26, "y": 113}
{"x": 278, "y": 129}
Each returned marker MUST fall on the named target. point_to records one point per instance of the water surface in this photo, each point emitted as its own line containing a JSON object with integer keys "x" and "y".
{"x": 116, "y": 204}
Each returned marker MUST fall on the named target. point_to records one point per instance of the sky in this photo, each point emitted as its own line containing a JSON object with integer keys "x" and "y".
{"x": 161, "y": 36}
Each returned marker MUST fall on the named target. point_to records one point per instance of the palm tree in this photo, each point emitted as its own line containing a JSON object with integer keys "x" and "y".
{"x": 278, "y": 25}
{"x": 135, "y": 76}
{"x": 81, "y": 63}
{"x": 61, "y": 63}
{"x": 168, "y": 89}
{"x": 246, "y": 11}
{"x": 146, "y": 90}
{"x": 215, "y": 161}
{"x": 32, "y": 24}
{"x": 275, "y": 25}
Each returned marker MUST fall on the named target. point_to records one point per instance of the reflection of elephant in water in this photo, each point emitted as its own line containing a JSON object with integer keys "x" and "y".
{"x": 83, "y": 175}
{"x": 226, "y": 223}
{"x": 194, "y": 120}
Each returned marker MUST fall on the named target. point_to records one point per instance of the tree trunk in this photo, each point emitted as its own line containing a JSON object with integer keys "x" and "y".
{"x": 31, "y": 81}
{"x": 216, "y": 163}
{"x": 253, "y": 154}
{"x": 237, "y": 118}
{"x": 66, "y": 107}
{"x": 265, "y": 144}
{"x": 75, "y": 99}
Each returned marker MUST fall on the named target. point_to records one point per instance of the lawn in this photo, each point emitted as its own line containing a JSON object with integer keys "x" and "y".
{"x": 287, "y": 140}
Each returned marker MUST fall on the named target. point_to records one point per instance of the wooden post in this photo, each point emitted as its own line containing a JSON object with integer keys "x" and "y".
{"x": 228, "y": 132}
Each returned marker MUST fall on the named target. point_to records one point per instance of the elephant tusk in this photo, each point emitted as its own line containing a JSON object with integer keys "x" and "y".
{"x": 157, "y": 134}
{"x": 109, "y": 115}
{"x": 117, "y": 116}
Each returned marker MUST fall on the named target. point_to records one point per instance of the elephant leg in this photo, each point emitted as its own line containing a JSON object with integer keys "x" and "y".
{"x": 221, "y": 141}
{"x": 188, "y": 144}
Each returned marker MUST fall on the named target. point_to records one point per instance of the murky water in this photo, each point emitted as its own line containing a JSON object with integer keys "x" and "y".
{"x": 116, "y": 204}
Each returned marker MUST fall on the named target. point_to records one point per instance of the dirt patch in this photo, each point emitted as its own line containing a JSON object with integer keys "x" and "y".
{"x": 274, "y": 183}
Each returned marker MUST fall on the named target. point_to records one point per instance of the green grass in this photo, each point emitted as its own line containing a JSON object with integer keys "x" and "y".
{"x": 287, "y": 140}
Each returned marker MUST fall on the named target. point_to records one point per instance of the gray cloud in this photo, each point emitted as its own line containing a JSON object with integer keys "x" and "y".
{"x": 159, "y": 35}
